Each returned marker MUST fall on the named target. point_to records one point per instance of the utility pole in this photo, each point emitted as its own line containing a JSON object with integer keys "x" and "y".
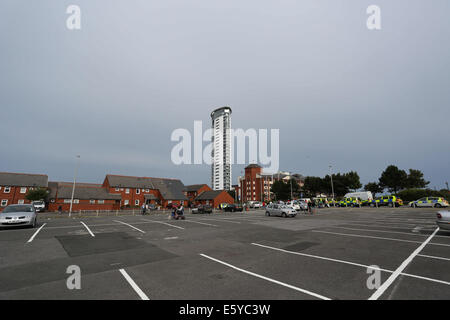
{"x": 291, "y": 190}
{"x": 74, "y": 182}
{"x": 447, "y": 185}
{"x": 332, "y": 187}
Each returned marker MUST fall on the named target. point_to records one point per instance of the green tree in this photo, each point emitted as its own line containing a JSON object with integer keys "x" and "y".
{"x": 281, "y": 190}
{"x": 313, "y": 186}
{"x": 393, "y": 179}
{"x": 415, "y": 179}
{"x": 352, "y": 180}
{"x": 36, "y": 194}
{"x": 373, "y": 187}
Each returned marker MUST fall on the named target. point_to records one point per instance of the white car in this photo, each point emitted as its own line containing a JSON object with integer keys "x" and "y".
{"x": 280, "y": 210}
{"x": 39, "y": 205}
{"x": 18, "y": 215}
{"x": 443, "y": 220}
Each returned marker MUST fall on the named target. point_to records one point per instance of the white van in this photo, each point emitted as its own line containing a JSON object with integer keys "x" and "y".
{"x": 365, "y": 195}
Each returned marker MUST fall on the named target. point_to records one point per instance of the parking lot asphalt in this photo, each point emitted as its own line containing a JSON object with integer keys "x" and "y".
{"x": 329, "y": 255}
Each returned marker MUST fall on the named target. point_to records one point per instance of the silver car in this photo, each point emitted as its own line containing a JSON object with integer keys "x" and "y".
{"x": 280, "y": 210}
{"x": 18, "y": 215}
{"x": 443, "y": 220}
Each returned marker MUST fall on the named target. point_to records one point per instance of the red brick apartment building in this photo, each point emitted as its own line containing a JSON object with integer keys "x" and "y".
{"x": 87, "y": 197}
{"x": 256, "y": 185}
{"x": 135, "y": 191}
{"x": 14, "y": 187}
{"x": 214, "y": 198}
{"x": 192, "y": 191}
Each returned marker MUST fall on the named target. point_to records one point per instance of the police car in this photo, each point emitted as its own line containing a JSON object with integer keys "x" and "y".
{"x": 387, "y": 201}
{"x": 437, "y": 202}
{"x": 349, "y": 202}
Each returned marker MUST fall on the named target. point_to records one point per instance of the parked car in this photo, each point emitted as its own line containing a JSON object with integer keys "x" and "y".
{"x": 202, "y": 208}
{"x": 294, "y": 205}
{"x": 387, "y": 201}
{"x": 349, "y": 202}
{"x": 280, "y": 210}
{"x": 39, "y": 205}
{"x": 18, "y": 215}
{"x": 223, "y": 205}
{"x": 303, "y": 205}
{"x": 233, "y": 208}
{"x": 443, "y": 220}
{"x": 437, "y": 202}
{"x": 152, "y": 207}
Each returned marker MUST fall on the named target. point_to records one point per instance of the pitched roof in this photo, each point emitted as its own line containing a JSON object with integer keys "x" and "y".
{"x": 194, "y": 187}
{"x": 170, "y": 189}
{"x": 82, "y": 192}
{"x": 23, "y": 180}
{"x": 209, "y": 195}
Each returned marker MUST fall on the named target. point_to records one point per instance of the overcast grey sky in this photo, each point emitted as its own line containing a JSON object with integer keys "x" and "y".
{"x": 138, "y": 69}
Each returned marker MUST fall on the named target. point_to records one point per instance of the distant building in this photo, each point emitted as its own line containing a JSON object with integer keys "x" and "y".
{"x": 136, "y": 191}
{"x": 214, "y": 198}
{"x": 87, "y": 197}
{"x": 192, "y": 191}
{"x": 15, "y": 186}
{"x": 221, "y": 151}
{"x": 255, "y": 185}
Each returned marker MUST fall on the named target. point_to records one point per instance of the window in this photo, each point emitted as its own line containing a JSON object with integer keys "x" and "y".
{"x": 92, "y": 201}
{"x": 66, "y": 200}
{"x": 21, "y": 201}
{"x": 4, "y": 203}
{"x": 117, "y": 189}
{"x": 76, "y": 201}
{"x": 23, "y": 190}
{"x": 127, "y": 190}
{"x": 138, "y": 191}
{"x": 136, "y": 202}
{"x": 126, "y": 202}
{"x": 7, "y": 190}
{"x": 101, "y": 201}
{"x": 147, "y": 190}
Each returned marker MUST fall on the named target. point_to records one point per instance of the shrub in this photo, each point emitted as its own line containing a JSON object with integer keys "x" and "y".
{"x": 415, "y": 194}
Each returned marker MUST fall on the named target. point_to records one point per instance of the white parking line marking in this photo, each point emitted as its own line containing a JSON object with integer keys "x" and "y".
{"x": 35, "y": 234}
{"x": 385, "y": 231}
{"x": 133, "y": 284}
{"x": 381, "y": 238}
{"x": 167, "y": 224}
{"x": 402, "y": 267}
{"x": 267, "y": 279}
{"x": 433, "y": 257}
{"x": 89, "y": 230}
{"x": 129, "y": 226}
{"x": 206, "y": 224}
{"x": 221, "y": 220}
{"x": 352, "y": 263}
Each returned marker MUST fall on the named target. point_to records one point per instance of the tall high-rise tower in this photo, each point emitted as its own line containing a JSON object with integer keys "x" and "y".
{"x": 221, "y": 151}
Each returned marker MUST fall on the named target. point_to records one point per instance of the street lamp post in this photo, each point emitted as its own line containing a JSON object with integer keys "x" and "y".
{"x": 332, "y": 187}
{"x": 74, "y": 182}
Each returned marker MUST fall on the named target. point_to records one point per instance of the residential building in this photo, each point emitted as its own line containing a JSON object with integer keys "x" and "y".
{"x": 221, "y": 149}
{"x": 192, "y": 191}
{"x": 135, "y": 191}
{"x": 15, "y": 186}
{"x": 256, "y": 185}
{"x": 214, "y": 198}
{"x": 87, "y": 197}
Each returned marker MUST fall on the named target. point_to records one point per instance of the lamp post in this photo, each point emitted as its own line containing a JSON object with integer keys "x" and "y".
{"x": 332, "y": 187}
{"x": 74, "y": 182}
